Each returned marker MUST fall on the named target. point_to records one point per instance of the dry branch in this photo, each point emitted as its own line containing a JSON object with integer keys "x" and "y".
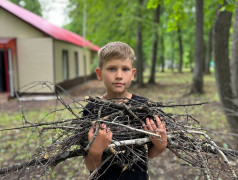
{"x": 186, "y": 139}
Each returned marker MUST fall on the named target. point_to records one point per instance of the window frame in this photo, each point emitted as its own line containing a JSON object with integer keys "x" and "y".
{"x": 65, "y": 64}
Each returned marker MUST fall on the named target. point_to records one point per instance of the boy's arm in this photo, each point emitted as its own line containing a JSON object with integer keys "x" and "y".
{"x": 100, "y": 143}
{"x": 159, "y": 144}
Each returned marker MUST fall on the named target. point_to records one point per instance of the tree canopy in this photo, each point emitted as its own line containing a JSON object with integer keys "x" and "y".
{"x": 107, "y": 21}
{"x": 31, "y": 5}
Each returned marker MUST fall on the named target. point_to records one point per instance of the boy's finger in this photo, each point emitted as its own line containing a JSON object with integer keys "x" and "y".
{"x": 95, "y": 126}
{"x": 163, "y": 129}
{"x": 158, "y": 122}
{"x": 91, "y": 130}
{"x": 157, "y": 118}
{"x": 108, "y": 130}
{"x": 110, "y": 134}
{"x": 161, "y": 125}
{"x": 144, "y": 126}
{"x": 153, "y": 125}
{"x": 103, "y": 126}
{"x": 90, "y": 133}
{"x": 148, "y": 123}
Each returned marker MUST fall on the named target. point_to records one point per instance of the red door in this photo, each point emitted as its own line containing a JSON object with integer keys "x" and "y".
{"x": 5, "y": 44}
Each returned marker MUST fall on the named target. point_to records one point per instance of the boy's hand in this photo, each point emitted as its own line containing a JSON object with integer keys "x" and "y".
{"x": 102, "y": 140}
{"x": 157, "y": 128}
{"x": 100, "y": 143}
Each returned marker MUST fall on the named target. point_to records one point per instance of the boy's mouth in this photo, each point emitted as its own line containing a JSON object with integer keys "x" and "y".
{"x": 118, "y": 84}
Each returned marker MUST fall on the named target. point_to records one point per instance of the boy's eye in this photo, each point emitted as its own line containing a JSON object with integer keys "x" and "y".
{"x": 126, "y": 69}
{"x": 111, "y": 69}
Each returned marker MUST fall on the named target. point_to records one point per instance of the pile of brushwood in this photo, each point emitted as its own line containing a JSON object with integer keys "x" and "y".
{"x": 186, "y": 139}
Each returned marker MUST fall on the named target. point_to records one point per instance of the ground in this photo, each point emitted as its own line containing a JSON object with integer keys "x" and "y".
{"x": 13, "y": 105}
{"x": 166, "y": 166}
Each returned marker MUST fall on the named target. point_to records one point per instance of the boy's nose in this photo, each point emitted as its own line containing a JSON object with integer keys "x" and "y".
{"x": 119, "y": 74}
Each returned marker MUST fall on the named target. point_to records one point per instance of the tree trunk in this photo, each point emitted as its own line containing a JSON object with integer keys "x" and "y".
{"x": 139, "y": 58}
{"x": 191, "y": 57}
{"x": 222, "y": 69}
{"x": 162, "y": 53}
{"x": 180, "y": 65}
{"x": 197, "y": 86}
{"x": 155, "y": 45}
{"x": 208, "y": 53}
{"x": 234, "y": 55}
{"x": 172, "y": 56}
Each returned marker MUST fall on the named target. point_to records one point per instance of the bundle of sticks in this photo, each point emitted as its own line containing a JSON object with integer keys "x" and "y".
{"x": 186, "y": 139}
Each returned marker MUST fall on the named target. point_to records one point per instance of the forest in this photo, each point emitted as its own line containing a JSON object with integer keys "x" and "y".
{"x": 175, "y": 34}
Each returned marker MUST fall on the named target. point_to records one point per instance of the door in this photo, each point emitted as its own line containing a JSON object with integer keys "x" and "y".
{"x": 4, "y": 78}
{"x": 7, "y": 54}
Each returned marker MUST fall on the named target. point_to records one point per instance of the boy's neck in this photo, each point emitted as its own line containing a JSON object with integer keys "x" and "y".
{"x": 108, "y": 96}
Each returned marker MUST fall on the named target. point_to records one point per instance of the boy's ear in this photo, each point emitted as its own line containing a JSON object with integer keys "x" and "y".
{"x": 133, "y": 73}
{"x": 99, "y": 74}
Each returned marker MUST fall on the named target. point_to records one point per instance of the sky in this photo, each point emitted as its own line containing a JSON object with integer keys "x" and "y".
{"x": 55, "y": 11}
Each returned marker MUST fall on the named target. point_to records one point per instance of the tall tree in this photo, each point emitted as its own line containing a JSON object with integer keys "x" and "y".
{"x": 31, "y": 5}
{"x": 180, "y": 41}
{"x": 222, "y": 68}
{"x": 172, "y": 56}
{"x": 197, "y": 86}
{"x": 139, "y": 49}
{"x": 155, "y": 46}
{"x": 114, "y": 24}
{"x": 234, "y": 55}
{"x": 210, "y": 10}
{"x": 208, "y": 56}
{"x": 162, "y": 53}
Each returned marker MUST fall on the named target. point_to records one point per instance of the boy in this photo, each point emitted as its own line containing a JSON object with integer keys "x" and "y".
{"x": 116, "y": 71}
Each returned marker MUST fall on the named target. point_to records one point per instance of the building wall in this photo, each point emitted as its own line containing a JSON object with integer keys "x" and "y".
{"x": 83, "y": 70}
{"x": 35, "y": 62}
{"x": 12, "y": 27}
{"x": 39, "y": 57}
{"x": 34, "y": 55}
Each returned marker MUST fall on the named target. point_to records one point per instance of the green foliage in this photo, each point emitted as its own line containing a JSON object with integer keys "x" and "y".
{"x": 153, "y": 3}
{"x": 210, "y": 8}
{"x": 112, "y": 21}
{"x": 228, "y": 5}
{"x": 31, "y": 5}
{"x": 117, "y": 21}
{"x": 177, "y": 10}
{"x": 106, "y": 20}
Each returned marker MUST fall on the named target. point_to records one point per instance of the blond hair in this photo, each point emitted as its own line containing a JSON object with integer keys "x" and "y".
{"x": 115, "y": 50}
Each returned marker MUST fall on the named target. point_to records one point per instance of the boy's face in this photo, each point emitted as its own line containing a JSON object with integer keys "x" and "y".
{"x": 116, "y": 75}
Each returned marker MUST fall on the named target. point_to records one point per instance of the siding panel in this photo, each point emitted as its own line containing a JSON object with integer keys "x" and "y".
{"x": 12, "y": 26}
{"x": 59, "y": 47}
{"x": 35, "y": 60}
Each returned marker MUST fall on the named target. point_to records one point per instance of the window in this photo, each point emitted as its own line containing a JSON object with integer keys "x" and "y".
{"x": 76, "y": 64}
{"x": 85, "y": 65}
{"x": 65, "y": 63}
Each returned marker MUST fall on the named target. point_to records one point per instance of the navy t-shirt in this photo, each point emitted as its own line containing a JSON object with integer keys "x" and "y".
{"x": 131, "y": 161}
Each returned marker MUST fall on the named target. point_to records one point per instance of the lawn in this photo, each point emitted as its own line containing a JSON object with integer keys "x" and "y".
{"x": 18, "y": 145}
